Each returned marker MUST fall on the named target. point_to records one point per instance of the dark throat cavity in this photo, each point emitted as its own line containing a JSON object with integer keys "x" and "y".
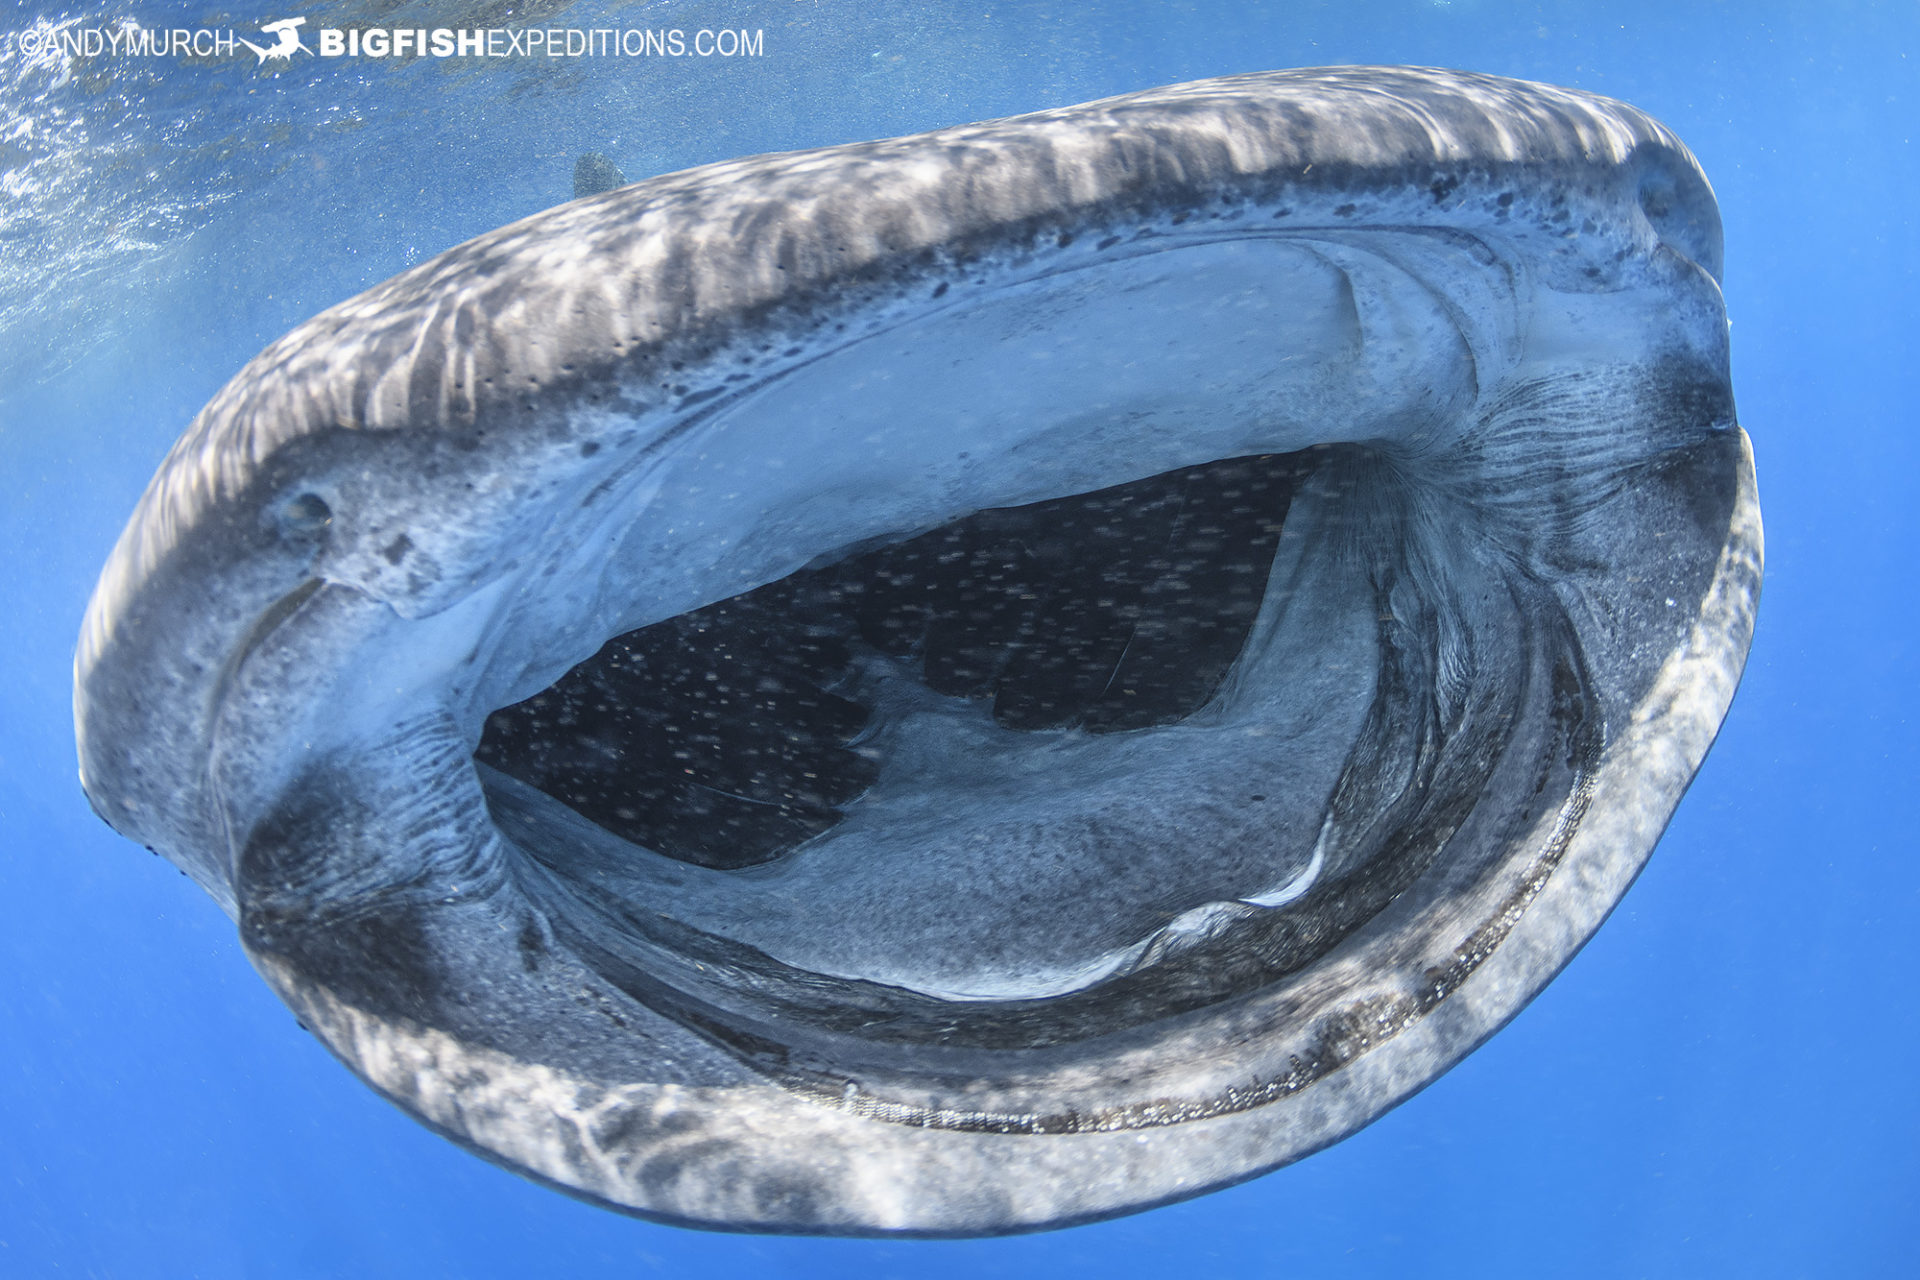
{"x": 729, "y": 736}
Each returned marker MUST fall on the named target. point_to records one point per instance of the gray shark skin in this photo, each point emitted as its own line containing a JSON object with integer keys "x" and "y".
{"x": 967, "y": 683}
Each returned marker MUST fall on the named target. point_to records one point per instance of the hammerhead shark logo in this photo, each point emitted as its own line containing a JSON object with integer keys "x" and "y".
{"x": 288, "y": 38}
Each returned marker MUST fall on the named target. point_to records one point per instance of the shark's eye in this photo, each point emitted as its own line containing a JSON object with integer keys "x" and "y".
{"x": 965, "y": 683}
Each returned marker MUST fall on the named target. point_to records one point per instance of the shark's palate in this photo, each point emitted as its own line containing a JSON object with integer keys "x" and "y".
{"x": 964, "y": 683}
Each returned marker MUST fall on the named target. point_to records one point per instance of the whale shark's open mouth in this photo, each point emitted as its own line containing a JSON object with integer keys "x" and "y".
{"x": 730, "y": 735}
{"x": 965, "y": 683}
{"x": 1075, "y": 747}
{"x": 972, "y": 749}
{"x": 982, "y": 700}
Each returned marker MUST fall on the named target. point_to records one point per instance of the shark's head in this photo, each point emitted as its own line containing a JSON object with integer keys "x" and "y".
{"x": 962, "y": 683}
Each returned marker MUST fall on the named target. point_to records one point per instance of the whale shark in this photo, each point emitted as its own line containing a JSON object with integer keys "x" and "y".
{"x": 965, "y": 683}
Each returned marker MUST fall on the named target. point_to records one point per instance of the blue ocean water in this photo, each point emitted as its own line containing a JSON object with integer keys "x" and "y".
{"x": 1720, "y": 1084}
